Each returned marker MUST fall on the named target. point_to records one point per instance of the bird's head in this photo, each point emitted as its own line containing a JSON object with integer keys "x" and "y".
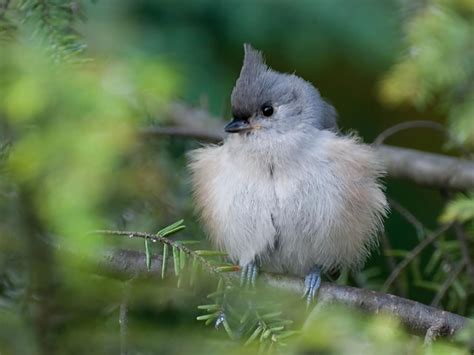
{"x": 266, "y": 100}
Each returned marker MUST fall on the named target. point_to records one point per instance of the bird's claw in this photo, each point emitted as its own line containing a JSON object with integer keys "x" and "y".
{"x": 248, "y": 275}
{"x": 312, "y": 283}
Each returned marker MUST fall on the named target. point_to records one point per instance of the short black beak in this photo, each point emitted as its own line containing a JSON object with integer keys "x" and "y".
{"x": 237, "y": 126}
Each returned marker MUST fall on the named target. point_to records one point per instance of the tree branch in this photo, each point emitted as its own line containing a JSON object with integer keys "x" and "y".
{"x": 418, "y": 318}
{"x": 427, "y": 169}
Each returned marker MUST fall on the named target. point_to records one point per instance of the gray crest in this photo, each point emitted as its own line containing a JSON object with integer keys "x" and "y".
{"x": 249, "y": 88}
{"x": 258, "y": 84}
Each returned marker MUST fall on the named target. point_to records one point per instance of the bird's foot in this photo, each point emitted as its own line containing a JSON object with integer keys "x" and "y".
{"x": 248, "y": 275}
{"x": 312, "y": 283}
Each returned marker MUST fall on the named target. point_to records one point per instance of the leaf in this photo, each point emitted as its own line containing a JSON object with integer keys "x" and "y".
{"x": 228, "y": 329}
{"x": 209, "y": 253}
{"x": 254, "y": 335}
{"x": 182, "y": 259}
{"x": 283, "y": 323}
{"x": 265, "y": 335}
{"x": 148, "y": 253}
{"x": 232, "y": 268}
{"x": 209, "y": 307}
{"x": 461, "y": 209}
{"x": 245, "y": 316}
{"x": 220, "y": 285}
{"x": 176, "y": 260}
{"x": 286, "y": 334}
{"x": 216, "y": 294}
{"x": 415, "y": 267}
{"x": 277, "y": 329}
{"x": 458, "y": 287}
{"x": 269, "y": 316}
{"x": 434, "y": 260}
{"x": 164, "y": 260}
{"x": 209, "y": 321}
{"x": 171, "y": 229}
{"x": 208, "y": 316}
{"x": 432, "y": 286}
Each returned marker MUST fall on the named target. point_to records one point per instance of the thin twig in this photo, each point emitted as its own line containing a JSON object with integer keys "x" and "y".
{"x": 408, "y": 125}
{"x": 413, "y": 254}
{"x": 452, "y": 276}
{"x": 174, "y": 244}
{"x": 409, "y": 217}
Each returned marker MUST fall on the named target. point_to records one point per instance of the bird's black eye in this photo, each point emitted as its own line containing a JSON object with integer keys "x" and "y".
{"x": 267, "y": 110}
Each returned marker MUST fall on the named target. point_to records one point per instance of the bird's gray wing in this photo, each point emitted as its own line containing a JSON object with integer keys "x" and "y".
{"x": 328, "y": 119}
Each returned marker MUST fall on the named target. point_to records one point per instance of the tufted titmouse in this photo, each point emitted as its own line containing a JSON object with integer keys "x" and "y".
{"x": 286, "y": 192}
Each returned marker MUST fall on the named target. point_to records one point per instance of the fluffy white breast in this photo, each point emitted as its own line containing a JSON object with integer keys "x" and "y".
{"x": 235, "y": 199}
{"x": 293, "y": 201}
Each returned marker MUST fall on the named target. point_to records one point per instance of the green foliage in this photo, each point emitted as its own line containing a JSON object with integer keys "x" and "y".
{"x": 67, "y": 133}
{"x": 437, "y": 71}
{"x": 72, "y": 128}
{"x": 50, "y": 20}
{"x": 460, "y": 209}
{"x": 247, "y": 316}
{"x": 438, "y": 66}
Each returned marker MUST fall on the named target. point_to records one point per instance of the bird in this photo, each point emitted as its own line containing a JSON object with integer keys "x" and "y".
{"x": 286, "y": 191}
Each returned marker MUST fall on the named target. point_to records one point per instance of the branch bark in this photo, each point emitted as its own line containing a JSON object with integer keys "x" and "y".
{"x": 417, "y": 318}
{"x": 426, "y": 169}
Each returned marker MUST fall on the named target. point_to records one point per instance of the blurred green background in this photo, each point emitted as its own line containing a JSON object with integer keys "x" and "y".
{"x": 79, "y": 79}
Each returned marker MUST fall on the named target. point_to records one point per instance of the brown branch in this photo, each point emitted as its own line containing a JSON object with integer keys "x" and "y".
{"x": 427, "y": 169}
{"x": 417, "y": 317}
{"x": 173, "y": 244}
